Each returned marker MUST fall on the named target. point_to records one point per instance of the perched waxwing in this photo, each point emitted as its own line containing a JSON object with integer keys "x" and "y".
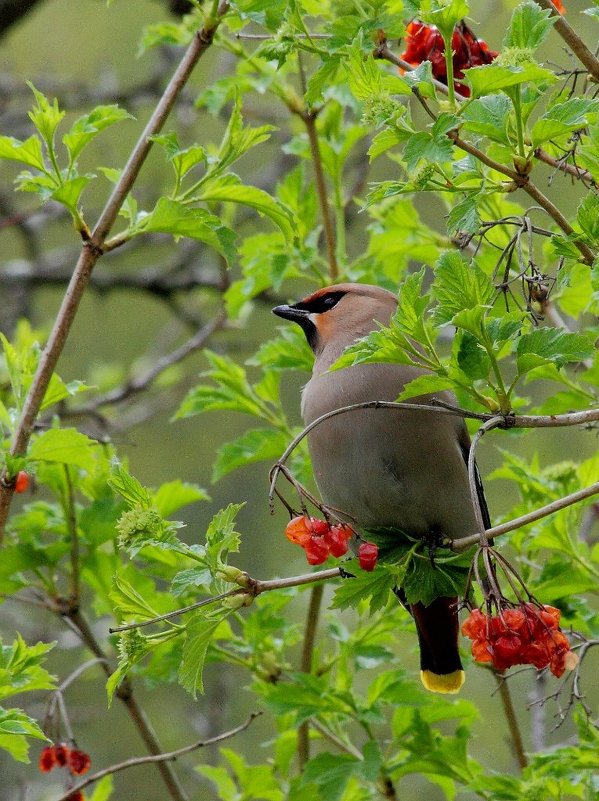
{"x": 401, "y": 471}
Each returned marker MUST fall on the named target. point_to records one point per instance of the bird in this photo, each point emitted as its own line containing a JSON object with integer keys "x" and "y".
{"x": 387, "y": 470}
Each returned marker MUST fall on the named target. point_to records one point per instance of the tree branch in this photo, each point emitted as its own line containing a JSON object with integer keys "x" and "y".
{"x": 303, "y": 735}
{"x": 573, "y": 40}
{"x": 92, "y": 250}
{"x": 512, "y": 721}
{"x": 158, "y": 758}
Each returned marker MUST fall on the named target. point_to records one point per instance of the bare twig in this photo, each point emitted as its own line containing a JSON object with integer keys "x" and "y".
{"x": 573, "y": 40}
{"x": 158, "y": 758}
{"x": 303, "y": 735}
{"x": 544, "y": 511}
{"x": 512, "y": 721}
{"x": 560, "y": 164}
{"x": 93, "y": 249}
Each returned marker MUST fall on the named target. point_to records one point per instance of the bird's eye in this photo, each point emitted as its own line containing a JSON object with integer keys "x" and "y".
{"x": 322, "y": 303}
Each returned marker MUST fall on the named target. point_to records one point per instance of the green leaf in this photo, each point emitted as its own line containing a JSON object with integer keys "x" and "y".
{"x": 15, "y": 726}
{"x": 28, "y": 152}
{"x": 289, "y": 351}
{"x": 254, "y": 445}
{"x": 87, "y": 127}
{"x": 199, "y": 632}
{"x": 331, "y": 773}
{"x": 230, "y": 191}
{"x": 377, "y": 586}
{"x": 529, "y": 26}
{"x": 221, "y": 536}
{"x": 424, "y": 385}
{"x": 552, "y": 345}
{"x": 464, "y": 216}
{"x": 562, "y": 119}
{"x": 129, "y": 602}
{"x": 445, "y": 14}
{"x": 45, "y": 116}
{"x": 489, "y": 116}
{"x": 587, "y": 215}
{"x": 491, "y": 78}
{"x": 69, "y": 192}
{"x": 64, "y": 446}
{"x": 459, "y": 285}
{"x": 171, "y": 496}
{"x": 175, "y": 218}
{"x": 102, "y": 790}
{"x": 433, "y": 147}
{"x": 128, "y": 487}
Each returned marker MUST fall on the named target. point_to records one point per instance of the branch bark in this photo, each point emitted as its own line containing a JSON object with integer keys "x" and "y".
{"x": 92, "y": 250}
{"x": 573, "y": 40}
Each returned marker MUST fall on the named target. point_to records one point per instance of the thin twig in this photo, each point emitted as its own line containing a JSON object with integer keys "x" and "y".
{"x": 93, "y": 249}
{"x": 544, "y": 511}
{"x": 573, "y": 40}
{"x": 309, "y": 119}
{"x": 512, "y": 721}
{"x": 158, "y": 758}
{"x": 303, "y": 735}
{"x": 560, "y": 164}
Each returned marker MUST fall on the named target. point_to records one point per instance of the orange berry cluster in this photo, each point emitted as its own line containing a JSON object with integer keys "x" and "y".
{"x": 524, "y": 635}
{"x": 320, "y": 539}
{"x": 60, "y": 755}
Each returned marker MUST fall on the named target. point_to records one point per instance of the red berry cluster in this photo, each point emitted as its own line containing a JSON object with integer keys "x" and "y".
{"x": 425, "y": 43}
{"x": 524, "y": 635}
{"x": 60, "y": 755}
{"x": 320, "y": 539}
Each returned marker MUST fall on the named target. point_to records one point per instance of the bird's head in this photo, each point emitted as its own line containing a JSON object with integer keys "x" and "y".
{"x": 335, "y": 316}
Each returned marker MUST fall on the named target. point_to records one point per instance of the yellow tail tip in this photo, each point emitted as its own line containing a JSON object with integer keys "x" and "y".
{"x": 442, "y": 682}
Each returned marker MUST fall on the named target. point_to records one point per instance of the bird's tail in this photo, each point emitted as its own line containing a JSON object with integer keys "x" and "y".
{"x": 437, "y": 625}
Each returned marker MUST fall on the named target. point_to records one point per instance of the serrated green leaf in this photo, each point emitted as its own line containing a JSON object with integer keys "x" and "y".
{"x": 199, "y": 632}
{"x": 87, "y": 127}
{"x": 459, "y": 285}
{"x": 289, "y": 351}
{"x": 464, "y": 216}
{"x": 424, "y": 385}
{"x": 64, "y": 446}
{"x": 491, "y": 78}
{"x": 102, "y": 790}
{"x": 128, "y": 487}
{"x": 27, "y": 152}
{"x": 45, "y": 116}
{"x": 529, "y": 26}
{"x": 552, "y": 345}
{"x": 229, "y": 192}
{"x": 175, "y": 218}
{"x": 562, "y": 119}
{"x": 488, "y": 116}
{"x": 377, "y": 586}
{"x": 69, "y": 192}
{"x": 587, "y": 215}
{"x": 330, "y": 773}
{"x": 254, "y": 445}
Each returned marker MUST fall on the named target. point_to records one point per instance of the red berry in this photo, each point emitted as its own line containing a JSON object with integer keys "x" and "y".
{"x": 317, "y": 550}
{"x": 61, "y": 754}
{"x": 299, "y": 530}
{"x": 368, "y": 554}
{"x": 22, "y": 481}
{"x": 76, "y": 795}
{"x": 79, "y": 762}
{"x": 47, "y": 759}
{"x": 319, "y": 527}
{"x": 337, "y": 538}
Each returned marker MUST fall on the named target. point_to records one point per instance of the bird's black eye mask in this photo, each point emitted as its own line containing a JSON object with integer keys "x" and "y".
{"x": 322, "y": 303}
{"x": 300, "y": 313}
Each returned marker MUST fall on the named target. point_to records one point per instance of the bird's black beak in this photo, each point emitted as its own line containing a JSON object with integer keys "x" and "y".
{"x": 292, "y": 313}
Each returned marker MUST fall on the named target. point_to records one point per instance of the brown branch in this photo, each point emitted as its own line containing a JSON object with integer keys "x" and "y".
{"x": 512, "y": 721}
{"x": 560, "y": 164}
{"x": 158, "y": 758}
{"x": 303, "y": 734}
{"x": 92, "y": 250}
{"x": 573, "y": 40}
{"x": 544, "y": 511}
{"x": 309, "y": 119}
{"x": 71, "y": 521}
